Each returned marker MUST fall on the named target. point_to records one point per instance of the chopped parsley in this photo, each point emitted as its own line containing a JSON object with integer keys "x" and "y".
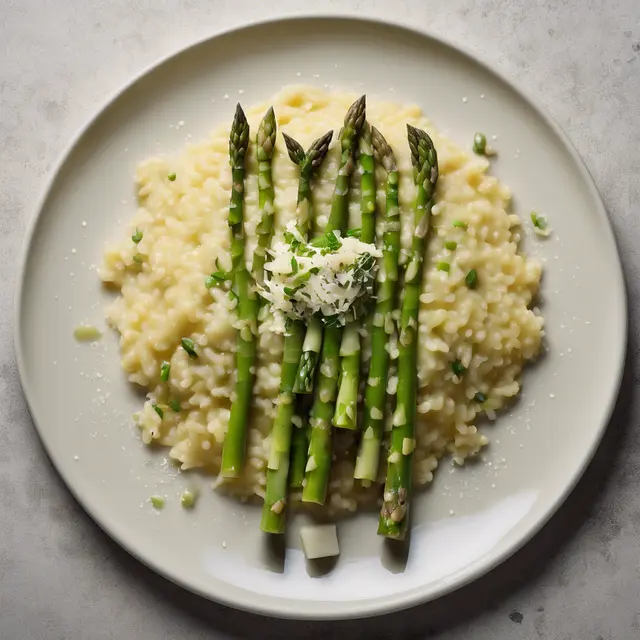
{"x": 165, "y": 368}
{"x": 157, "y": 502}
{"x": 480, "y": 144}
{"x": 137, "y": 236}
{"x": 175, "y": 405}
{"x": 540, "y": 222}
{"x": 138, "y": 258}
{"x": 471, "y": 279}
{"x": 458, "y": 224}
{"x": 443, "y": 266}
{"x": 354, "y": 233}
{"x": 190, "y": 347}
{"x": 458, "y": 368}
{"x": 158, "y": 410}
{"x": 450, "y": 245}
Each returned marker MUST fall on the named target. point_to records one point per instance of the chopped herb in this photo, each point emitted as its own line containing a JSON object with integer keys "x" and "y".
{"x": 314, "y": 270}
{"x": 137, "y": 236}
{"x": 480, "y": 144}
{"x": 291, "y": 291}
{"x": 459, "y": 224}
{"x": 216, "y": 278}
{"x": 157, "y": 502}
{"x": 471, "y": 279}
{"x": 328, "y": 241}
{"x": 187, "y": 499}
{"x": 172, "y": 177}
{"x": 458, "y": 368}
{"x": 294, "y": 265}
{"x": 190, "y": 347}
{"x": 450, "y": 245}
{"x": 165, "y": 368}
{"x": 232, "y": 295}
{"x": 354, "y": 233}
{"x": 443, "y": 266}
{"x": 540, "y": 222}
{"x": 87, "y": 333}
{"x": 175, "y": 405}
{"x": 480, "y": 397}
{"x": 138, "y": 258}
{"x": 158, "y": 410}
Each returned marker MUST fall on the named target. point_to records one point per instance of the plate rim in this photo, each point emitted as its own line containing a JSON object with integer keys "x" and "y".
{"x": 359, "y": 608}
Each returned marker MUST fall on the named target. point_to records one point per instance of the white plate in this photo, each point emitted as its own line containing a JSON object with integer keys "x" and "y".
{"x": 470, "y": 520}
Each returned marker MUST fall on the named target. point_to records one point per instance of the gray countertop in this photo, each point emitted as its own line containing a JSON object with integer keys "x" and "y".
{"x": 62, "y": 578}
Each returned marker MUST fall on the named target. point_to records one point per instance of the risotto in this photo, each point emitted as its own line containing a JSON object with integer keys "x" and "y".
{"x": 180, "y": 230}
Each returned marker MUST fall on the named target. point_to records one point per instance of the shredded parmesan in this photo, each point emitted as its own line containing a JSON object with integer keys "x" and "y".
{"x": 307, "y": 280}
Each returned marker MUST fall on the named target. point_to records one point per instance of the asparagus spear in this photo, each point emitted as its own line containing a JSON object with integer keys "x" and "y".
{"x": 395, "y": 507}
{"x": 319, "y": 460}
{"x": 300, "y": 441}
{"x": 338, "y": 220}
{"x": 273, "y": 512}
{"x": 347, "y": 402}
{"x": 265, "y": 143}
{"x": 375, "y": 393}
{"x": 233, "y": 450}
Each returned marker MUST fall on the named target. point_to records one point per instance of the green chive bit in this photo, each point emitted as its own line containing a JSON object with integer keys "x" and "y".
{"x": 158, "y": 410}
{"x": 175, "y": 405}
{"x": 172, "y": 177}
{"x": 443, "y": 266}
{"x": 137, "y": 236}
{"x": 471, "y": 279}
{"x": 157, "y": 502}
{"x": 190, "y": 347}
{"x": 458, "y": 368}
{"x": 138, "y": 258}
{"x": 480, "y": 397}
{"x": 294, "y": 265}
{"x": 354, "y": 233}
{"x": 480, "y": 144}
{"x": 165, "y": 368}
{"x": 458, "y": 224}
{"x": 451, "y": 245}
{"x": 540, "y": 222}
{"x": 210, "y": 282}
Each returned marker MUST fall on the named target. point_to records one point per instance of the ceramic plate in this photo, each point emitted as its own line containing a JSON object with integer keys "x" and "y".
{"x": 471, "y": 518}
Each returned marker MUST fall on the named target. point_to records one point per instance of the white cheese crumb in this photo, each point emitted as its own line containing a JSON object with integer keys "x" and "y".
{"x": 320, "y": 541}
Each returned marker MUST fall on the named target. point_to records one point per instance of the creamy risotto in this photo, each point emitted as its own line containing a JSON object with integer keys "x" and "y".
{"x": 180, "y": 229}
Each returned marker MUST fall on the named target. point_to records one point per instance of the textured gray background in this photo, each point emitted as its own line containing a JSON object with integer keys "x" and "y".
{"x": 61, "y": 577}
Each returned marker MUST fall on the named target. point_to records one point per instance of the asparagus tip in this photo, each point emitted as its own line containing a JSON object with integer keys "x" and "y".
{"x": 294, "y": 148}
{"x": 382, "y": 151}
{"x": 318, "y": 150}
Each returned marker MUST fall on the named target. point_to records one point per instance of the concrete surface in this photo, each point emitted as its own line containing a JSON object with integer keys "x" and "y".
{"x": 578, "y": 580}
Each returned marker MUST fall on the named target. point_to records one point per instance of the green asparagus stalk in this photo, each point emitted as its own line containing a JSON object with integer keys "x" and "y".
{"x": 233, "y": 450}
{"x": 386, "y": 293}
{"x": 395, "y": 508}
{"x": 265, "y": 143}
{"x": 319, "y": 460}
{"x": 347, "y": 402}
{"x": 338, "y": 220}
{"x": 273, "y": 512}
{"x": 300, "y": 441}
